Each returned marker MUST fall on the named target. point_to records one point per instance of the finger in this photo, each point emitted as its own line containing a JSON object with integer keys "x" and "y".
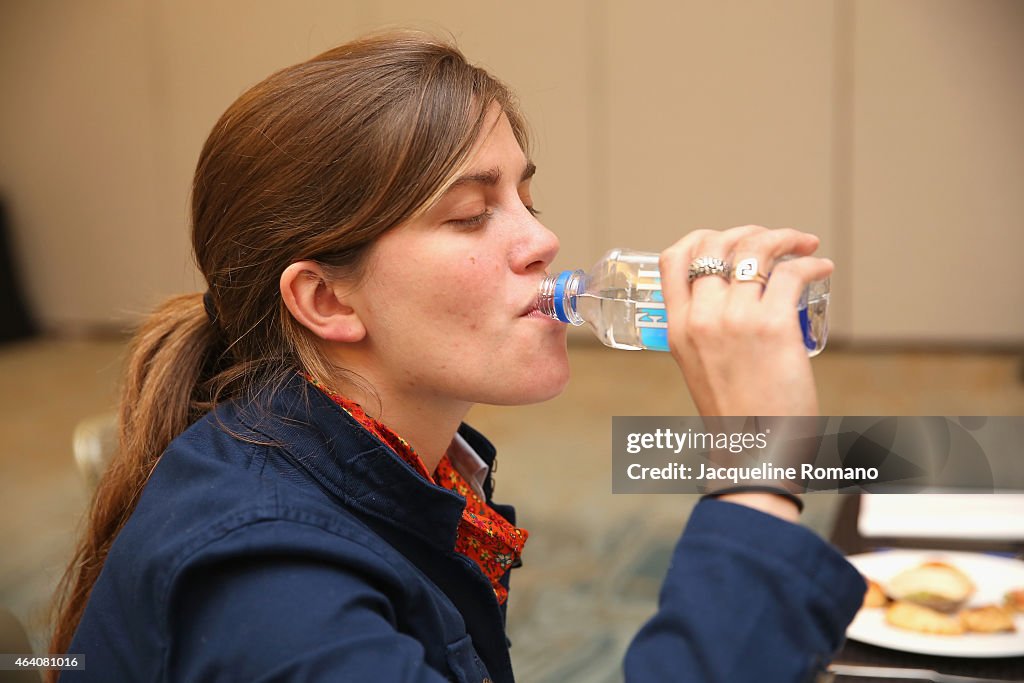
{"x": 698, "y": 305}
{"x": 755, "y": 257}
{"x": 674, "y": 264}
{"x": 675, "y": 261}
{"x": 790, "y": 278}
{"x": 711, "y": 290}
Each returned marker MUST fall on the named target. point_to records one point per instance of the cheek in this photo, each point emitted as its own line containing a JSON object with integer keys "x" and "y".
{"x": 459, "y": 312}
{"x": 443, "y": 296}
{"x": 467, "y": 295}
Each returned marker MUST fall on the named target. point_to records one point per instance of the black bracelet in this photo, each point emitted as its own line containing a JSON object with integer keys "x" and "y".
{"x": 775, "y": 490}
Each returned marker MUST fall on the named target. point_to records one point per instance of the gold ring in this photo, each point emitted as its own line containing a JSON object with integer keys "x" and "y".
{"x": 747, "y": 271}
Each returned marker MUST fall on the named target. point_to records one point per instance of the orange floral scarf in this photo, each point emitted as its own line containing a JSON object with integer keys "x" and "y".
{"x": 483, "y": 535}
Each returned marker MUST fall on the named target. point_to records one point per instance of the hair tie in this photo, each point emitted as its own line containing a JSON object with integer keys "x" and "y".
{"x": 211, "y": 312}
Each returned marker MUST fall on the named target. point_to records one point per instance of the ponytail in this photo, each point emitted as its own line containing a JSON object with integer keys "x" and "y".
{"x": 166, "y": 387}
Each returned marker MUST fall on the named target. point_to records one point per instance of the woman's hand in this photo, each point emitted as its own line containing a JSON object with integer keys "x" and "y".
{"x": 739, "y": 343}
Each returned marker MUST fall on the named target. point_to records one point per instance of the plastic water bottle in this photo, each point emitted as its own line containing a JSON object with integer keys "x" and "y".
{"x": 620, "y": 299}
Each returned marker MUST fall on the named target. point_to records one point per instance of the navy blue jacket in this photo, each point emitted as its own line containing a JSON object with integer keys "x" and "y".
{"x": 290, "y": 544}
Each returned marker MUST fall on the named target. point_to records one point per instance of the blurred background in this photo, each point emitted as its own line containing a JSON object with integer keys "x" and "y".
{"x": 892, "y": 129}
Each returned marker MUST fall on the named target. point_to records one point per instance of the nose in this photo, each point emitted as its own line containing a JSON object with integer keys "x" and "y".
{"x": 537, "y": 247}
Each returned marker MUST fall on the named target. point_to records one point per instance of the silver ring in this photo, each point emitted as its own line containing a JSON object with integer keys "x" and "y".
{"x": 747, "y": 270}
{"x": 708, "y": 265}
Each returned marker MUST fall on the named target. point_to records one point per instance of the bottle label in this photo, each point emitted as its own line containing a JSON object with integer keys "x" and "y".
{"x": 650, "y": 319}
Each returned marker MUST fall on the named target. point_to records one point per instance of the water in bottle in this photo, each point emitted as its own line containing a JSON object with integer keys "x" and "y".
{"x": 620, "y": 299}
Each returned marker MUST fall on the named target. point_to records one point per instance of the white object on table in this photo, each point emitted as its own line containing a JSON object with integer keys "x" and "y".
{"x": 984, "y": 516}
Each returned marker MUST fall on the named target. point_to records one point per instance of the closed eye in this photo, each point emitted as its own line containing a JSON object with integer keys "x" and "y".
{"x": 479, "y": 219}
{"x": 473, "y": 221}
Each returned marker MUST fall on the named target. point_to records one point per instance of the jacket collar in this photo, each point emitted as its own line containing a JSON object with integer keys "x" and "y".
{"x": 355, "y": 467}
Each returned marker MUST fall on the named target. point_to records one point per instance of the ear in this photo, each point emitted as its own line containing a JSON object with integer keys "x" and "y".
{"x": 314, "y": 302}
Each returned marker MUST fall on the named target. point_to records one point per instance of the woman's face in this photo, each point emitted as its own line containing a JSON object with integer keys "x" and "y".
{"x": 448, "y": 298}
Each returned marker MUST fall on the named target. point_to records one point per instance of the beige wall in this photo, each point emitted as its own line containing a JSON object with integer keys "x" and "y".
{"x": 890, "y": 128}
{"x": 937, "y": 169}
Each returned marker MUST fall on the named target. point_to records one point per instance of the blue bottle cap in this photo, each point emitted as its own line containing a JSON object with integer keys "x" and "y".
{"x": 559, "y": 295}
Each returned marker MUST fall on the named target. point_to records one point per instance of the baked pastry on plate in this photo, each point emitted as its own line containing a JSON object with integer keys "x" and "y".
{"x": 913, "y": 617}
{"x": 937, "y": 585}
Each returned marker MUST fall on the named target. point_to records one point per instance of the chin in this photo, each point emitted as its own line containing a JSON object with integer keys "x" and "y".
{"x": 535, "y": 385}
{"x": 543, "y": 384}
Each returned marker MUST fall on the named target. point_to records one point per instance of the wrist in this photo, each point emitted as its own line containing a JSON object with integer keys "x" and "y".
{"x": 777, "y": 505}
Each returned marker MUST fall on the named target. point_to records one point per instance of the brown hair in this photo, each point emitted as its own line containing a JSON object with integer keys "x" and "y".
{"x": 315, "y": 162}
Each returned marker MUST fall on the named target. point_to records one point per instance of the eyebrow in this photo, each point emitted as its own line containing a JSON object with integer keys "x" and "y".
{"x": 490, "y": 177}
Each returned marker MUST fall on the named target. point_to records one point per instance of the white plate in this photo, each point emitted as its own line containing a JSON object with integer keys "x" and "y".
{"x": 992, "y": 575}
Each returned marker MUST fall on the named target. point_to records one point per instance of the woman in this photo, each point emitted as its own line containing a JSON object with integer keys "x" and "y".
{"x": 296, "y": 497}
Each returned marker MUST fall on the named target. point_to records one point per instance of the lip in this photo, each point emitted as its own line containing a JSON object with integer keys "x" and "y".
{"x": 530, "y": 310}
